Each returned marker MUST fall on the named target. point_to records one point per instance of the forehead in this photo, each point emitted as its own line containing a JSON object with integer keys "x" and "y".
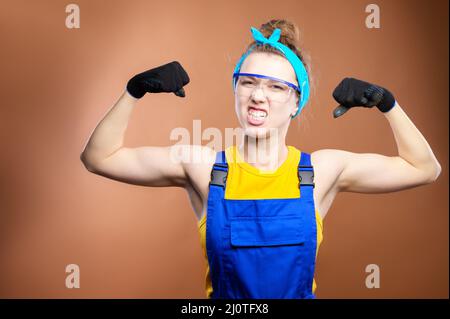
{"x": 269, "y": 64}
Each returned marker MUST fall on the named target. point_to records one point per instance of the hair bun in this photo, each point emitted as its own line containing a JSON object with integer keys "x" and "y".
{"x": 289, "y": 32}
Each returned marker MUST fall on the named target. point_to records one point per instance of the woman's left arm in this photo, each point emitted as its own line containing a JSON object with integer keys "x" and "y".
{"x": 414, "y": 165}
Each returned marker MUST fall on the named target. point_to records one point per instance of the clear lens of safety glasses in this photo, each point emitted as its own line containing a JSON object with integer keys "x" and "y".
{"x": 274, "y": 90}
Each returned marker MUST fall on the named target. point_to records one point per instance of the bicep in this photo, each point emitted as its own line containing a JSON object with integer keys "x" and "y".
{"x": 375, "y": 173}
{"x": 147, "y": 166}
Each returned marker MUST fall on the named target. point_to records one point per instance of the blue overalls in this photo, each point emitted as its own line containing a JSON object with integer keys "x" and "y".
{"x": 262, "y": 248}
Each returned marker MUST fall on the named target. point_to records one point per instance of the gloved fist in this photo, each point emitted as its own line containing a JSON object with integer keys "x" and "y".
{"x": 170, "y": 77}
{"x": 353, "y": 92}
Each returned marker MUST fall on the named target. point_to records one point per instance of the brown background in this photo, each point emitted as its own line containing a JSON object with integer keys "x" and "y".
{"x": 131, "y": 241}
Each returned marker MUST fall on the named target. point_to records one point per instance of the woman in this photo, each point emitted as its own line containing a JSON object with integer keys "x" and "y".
{"x": 260, "y": 217}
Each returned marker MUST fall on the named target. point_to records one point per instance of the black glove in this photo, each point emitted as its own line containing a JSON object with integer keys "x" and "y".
{"x": 170, "y": 77}
{"x": 353, "y": 92}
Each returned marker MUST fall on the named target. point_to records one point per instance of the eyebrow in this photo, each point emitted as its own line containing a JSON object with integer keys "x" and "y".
{"x": 259, "y": 79}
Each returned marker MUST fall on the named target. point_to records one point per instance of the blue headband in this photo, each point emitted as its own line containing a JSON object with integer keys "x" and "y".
{"x": 299, "y": 68}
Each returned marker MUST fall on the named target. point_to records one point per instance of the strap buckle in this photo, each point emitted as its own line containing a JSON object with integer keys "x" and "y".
{"x": 219, "y": 175}
{"x": 305, "y": 175}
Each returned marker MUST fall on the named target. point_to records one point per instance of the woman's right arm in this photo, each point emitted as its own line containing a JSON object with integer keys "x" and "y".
{"x": 104, "y": 153}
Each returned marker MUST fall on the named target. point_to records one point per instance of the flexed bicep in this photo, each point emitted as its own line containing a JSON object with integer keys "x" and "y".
{"x": 376, "y": 173}
{"x": 146, "y": 166}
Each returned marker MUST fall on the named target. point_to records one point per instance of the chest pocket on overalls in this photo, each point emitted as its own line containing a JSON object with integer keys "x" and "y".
{"x": 266, "y": 231}
{"x": 266, "y": 254}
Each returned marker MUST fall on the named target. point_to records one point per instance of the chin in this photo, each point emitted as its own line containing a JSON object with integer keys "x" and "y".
{"x": 257, "y": 132}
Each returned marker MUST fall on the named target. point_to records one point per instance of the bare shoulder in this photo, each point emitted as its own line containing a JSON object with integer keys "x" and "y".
{"x": 198, "y": 161}
{"x": 328, "y": 165}
{"x": 330, "y": 162}
{"x": 330, "y": 158}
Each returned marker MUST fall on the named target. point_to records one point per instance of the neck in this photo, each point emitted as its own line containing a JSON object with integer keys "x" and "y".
{"x": 266, "y": 153}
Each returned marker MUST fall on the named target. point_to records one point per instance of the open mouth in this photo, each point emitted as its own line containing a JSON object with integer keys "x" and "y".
{"x": 256, "y": 116}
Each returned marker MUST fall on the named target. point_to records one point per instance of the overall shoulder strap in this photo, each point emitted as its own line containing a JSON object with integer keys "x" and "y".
{"x": 219, "y": 171}
{"x": 305, "y": 171}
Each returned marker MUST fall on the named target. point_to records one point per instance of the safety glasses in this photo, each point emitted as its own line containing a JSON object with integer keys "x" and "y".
{"x": 276, "y": 90}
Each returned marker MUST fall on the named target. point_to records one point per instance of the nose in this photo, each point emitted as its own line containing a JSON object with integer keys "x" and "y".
{"x": 258, "y": 94}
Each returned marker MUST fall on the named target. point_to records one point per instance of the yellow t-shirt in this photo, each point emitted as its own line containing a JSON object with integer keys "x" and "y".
{"x": 245, "y": 181}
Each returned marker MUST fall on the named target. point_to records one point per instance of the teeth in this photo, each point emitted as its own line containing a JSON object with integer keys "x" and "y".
{"x": 257, "y": 114}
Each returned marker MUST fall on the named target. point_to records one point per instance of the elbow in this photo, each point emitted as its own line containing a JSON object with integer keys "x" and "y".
{"x": 87, "y": 164}
{"x": 438, "y": 171}
{"x": 434, "y": 173}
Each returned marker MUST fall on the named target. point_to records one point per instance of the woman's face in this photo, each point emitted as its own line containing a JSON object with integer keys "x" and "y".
{"x": 270, "y": 114}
